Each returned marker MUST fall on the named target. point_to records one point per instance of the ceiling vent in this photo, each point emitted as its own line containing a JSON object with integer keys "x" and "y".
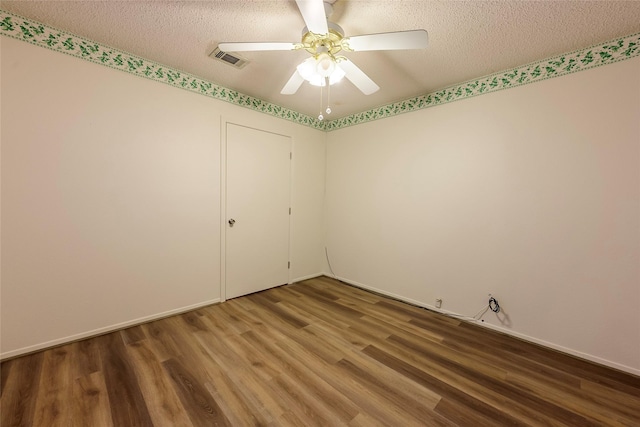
{"x": 233, "y": 60}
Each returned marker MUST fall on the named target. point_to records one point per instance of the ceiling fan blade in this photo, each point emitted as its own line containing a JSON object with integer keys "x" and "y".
{"x": 255, "y": 46}
{"x": 358, "y": 77}
{"x": 415, "y": 39}
{"x": 293, "y": 84}
{"x": 314, "y": 16}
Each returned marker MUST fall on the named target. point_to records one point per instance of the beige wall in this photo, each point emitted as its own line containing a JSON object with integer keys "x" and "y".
{"x": 111, "y": 197}
{"x": 531, "y": 194}
{"x": 111, "y": 204}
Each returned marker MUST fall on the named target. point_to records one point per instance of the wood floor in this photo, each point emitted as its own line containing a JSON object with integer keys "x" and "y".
{"x": 313, "y": 353}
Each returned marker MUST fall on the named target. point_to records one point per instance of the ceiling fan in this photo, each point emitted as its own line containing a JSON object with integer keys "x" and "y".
{"x": 325, "y": 41}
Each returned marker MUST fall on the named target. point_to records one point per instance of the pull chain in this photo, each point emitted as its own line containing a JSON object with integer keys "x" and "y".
{"x": 320, "y": 117}
{"x": 328, "y": 110}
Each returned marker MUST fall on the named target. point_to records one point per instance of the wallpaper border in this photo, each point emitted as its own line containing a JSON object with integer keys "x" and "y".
{"x": 20, "y": 28}
{"x": 33, "y": 32}
{"x": 594, "y": 56}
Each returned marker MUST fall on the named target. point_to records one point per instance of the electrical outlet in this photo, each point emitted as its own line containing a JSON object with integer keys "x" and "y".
{"x": 438, "y": 302}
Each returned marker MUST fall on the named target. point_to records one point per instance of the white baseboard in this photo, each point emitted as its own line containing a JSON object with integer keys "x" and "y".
{"x": 310, "y": 276}
{"x": 104, "y": 330}
{"x": 524, "y": 337}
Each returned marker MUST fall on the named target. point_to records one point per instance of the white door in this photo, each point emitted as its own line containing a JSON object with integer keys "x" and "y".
{"x": 257, "y": 210}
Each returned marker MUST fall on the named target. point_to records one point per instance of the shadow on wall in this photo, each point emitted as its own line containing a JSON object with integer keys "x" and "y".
{"x": 504, "y": 318}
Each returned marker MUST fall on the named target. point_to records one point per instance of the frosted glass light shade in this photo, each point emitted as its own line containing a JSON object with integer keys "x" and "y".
{"x": 307, "y": 69}
{"x": 325, "y": 65}
{"x": 315, "y": 71}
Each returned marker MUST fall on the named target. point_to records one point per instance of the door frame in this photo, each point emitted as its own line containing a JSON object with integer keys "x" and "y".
{"x": 224, "y": 121}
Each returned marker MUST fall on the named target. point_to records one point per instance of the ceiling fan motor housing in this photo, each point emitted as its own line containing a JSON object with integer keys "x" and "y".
{"x": 331, "y": 42}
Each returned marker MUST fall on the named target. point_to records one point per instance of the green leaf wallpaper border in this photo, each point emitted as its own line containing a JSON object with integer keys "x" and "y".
{"x": 579, "y": 60}
{"x": 20, "y": 28}
{"x": 39, "y": 34}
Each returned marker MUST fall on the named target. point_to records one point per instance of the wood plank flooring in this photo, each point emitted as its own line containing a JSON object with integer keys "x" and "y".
{"x": 315, "y": 353}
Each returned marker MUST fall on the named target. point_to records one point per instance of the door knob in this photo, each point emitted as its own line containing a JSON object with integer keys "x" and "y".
{"x": 231, "y": 222}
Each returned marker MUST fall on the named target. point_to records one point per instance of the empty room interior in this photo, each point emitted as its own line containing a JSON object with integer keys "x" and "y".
{"x": 358, "y": 213}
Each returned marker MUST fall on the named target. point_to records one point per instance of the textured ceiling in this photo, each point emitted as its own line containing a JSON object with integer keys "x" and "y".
{"x": 468, "y": 39}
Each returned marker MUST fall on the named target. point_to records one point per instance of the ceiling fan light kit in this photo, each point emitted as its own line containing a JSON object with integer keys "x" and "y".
{"x": 324, "y": 40}
{"x": 317, "y": 70}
